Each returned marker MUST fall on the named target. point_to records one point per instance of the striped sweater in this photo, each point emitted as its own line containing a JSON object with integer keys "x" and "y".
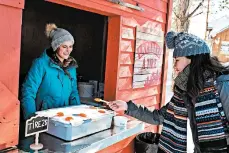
{"x": 210, "y": 120}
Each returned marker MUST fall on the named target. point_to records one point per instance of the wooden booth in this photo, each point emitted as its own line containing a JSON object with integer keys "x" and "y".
{"x": 120, "y": 43}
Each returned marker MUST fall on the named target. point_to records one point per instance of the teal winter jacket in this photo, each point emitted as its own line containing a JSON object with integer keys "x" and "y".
{"x": 48, "y": 86}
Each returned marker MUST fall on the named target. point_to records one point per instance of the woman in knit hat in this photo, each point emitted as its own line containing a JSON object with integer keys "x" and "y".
{"x": 200, "y": 105}
{"x": 51, "y": 81}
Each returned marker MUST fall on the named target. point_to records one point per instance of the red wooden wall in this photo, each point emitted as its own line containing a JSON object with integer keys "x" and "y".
{"x": 119, "y": 65}
{"x": 120, "y": 52}
{"x": 10, "y": 29}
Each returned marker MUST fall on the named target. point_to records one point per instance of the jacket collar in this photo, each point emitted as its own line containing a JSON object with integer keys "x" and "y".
{"x": 46, "y": 55}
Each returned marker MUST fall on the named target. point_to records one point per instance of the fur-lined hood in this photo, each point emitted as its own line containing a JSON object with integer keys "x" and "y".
{"x": 70, "y": 62}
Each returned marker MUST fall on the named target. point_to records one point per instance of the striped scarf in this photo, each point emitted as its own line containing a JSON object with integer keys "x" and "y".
{"x": 210, "y": 120}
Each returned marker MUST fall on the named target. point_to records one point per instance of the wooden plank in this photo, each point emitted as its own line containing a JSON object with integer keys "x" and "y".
{"x": 127, "y": 58}
{"x": 13, "y": 3}
{"x": 146, "y": 77}
{"x": 126, "y": 71}
{"x": 149, "y": 37}
{"x": 126, "y": 46}
{"x": 139, "y": 84}
{"x": 165, "y": 66}
{"x": 142, "y": 84}
{"x": 119, "y": 151}
{"x": 130, "y": 2}
{"x": 2, "y": 145}
{"x": 147, "y": 60}
{"x": 10, "y": 138}
{"x": 106, "y": 8}
{"x": 10, "y": 42}
{"x": 138, "y": 93}
{"x": 132, "y": 22}
{"x": 149, "y": 47}
{"x": 143, "y": 71}
{"x": 14, "y": 151}
{"x": 148, "y": 11}
{"x": 112, "y": 56}
{"x": 125, "y": 83}
{"x": 133, "y": 6}
{"x": 139, "y": 78}
{"x": 152, "y": 31}
{"x": 151, "y": 27}
{"x": 155, "y": 4}
{"x": 136, "y": 22}
{"x": 153, "y": 79}
{"x": 129, "y": 148}
{"x": 146, "y": 47}
{"x": 149, "y": 50}
{"x": 127, "y": 33}
{"x": 148, "y": 101}
{"x": 154, "y": 14}
{"x": 9, "y": 117}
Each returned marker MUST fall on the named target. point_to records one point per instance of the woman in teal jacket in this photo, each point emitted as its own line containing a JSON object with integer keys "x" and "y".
{"x": 51, "y": 82}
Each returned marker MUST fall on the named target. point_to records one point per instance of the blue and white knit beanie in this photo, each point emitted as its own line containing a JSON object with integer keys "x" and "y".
{"x": 57, "y": 36}
{"x": 185, "y": 44}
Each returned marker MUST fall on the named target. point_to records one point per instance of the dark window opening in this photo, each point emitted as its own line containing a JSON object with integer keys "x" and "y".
{"x": 88, "y": 29}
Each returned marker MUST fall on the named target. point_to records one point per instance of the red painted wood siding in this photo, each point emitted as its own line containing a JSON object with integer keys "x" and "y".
{"x": 121, "y": 47}
{"x": 120, "y": 57}
{"x": 10, "y": 29}
{"x": 148, "y": 96}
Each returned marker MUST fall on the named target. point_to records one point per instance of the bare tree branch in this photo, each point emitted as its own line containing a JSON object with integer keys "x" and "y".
{"x": 200, "y": 4}
{"x": 226, "y": 7}
{"x": 197, "y": 14}
{"x": 188, "y": 7}
{"x": 176, "y": 15}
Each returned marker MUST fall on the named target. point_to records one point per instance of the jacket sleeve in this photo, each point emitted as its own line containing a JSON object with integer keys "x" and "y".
{"x": 30, "y": 88}
{"x": 223, "y": 88}
{"x": 142, "y": 113}
{"x": 74, "y": 97}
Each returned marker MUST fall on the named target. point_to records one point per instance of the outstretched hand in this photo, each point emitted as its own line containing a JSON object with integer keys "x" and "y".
{"x": 118, "y": 105}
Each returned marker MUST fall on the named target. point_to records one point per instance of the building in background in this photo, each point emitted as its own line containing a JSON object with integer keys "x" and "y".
{"x": 219, "y": 37}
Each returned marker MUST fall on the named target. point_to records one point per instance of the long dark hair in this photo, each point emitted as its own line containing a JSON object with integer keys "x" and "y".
{"x": 198, "y": 66}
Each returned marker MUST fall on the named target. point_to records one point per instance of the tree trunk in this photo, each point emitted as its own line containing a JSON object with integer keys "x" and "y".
{"x": 183, "y": 14}
{"x": 183, "y": 11}
{"x": 184, "y": 26}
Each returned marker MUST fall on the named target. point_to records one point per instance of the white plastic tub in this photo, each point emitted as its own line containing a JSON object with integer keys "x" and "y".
{"x": 120, "y": 121}
{"x": 68, "y": 131}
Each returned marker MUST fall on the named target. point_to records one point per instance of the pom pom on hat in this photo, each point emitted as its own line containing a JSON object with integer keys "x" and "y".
{"x": 185, "y": 44}
{"x": 57, "y": 35}
{"x": 49, "y": 29}
{"x": 170, "y": 39}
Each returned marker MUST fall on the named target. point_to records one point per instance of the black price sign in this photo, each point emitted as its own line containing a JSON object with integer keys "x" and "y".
{"x": 36, "y": 124}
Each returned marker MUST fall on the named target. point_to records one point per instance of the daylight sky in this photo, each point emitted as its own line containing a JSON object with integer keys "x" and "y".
{"x": 198, "y": 23}
{"x": 215, "y": 12}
